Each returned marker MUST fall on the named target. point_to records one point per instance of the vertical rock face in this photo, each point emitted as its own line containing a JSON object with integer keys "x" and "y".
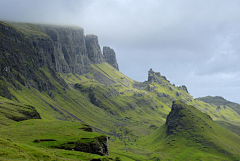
{"x": 69, "y": 53}
{"x": 93, "y": 49}
{"x": 110, "y": 57}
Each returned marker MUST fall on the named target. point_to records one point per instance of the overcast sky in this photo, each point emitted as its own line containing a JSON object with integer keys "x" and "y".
{"x": 192, "y": 42}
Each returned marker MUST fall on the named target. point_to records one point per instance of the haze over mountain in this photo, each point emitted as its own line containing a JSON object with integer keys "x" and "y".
{"x": 195, "y": 43}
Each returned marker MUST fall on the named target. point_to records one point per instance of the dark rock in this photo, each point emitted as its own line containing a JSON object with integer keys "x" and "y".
{"x": 131, "y": 106}
{"x": 184, "y": 88}
{"x": 171, "y": 88}
{"x": 110, "y": 57}
{"x": 112, "y": 113}
{"x": 113, "y": 92}
{"x": 78, "y": 86}
{"x": 162, "y": 95}
{"x": 98, "y": 145}
{"x": 153, "y": 76}
{"x": 94, "y": 100}
{"x": 50, "y": 93}
{"x": 87, "y": 128}
{"x": 41, "y": 140}
{"x": 105, "y": 96}
{"x": 93, "y": 49}
{"x": 173, "y": 117}
{"x": 218, "y": 108}
{"x": 153, "y": 127}
{"x": 179, "y": 94}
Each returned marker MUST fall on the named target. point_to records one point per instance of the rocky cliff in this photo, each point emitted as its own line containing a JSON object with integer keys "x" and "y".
{"x": 110, "y": 57}
{"x": 26, "y": 48}
{"x": 93, "y": 49}
{"x": 69, "y": 52}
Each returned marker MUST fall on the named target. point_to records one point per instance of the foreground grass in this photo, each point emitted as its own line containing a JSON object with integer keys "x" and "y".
{"x": 17, "y": 140}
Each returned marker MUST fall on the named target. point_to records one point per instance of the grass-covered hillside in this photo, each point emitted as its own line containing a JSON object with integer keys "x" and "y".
{"x": 189, "y": 134}
{"x": 47, "y": 102}
{"x": 222, "y": 103}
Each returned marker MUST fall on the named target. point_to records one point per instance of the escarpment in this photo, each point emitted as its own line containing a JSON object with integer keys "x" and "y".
{"x": 69, "y": 54}
{"x": 60, "y": 49}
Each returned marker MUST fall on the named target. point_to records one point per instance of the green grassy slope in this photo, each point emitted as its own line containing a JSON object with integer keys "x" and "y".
{"x": 27, "y": 140}
{"x": 191, "y": 135}
{"x": 221, "y": 103}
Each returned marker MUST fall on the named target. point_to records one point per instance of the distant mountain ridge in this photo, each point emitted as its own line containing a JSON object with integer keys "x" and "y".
{"x": 220, "y": 101}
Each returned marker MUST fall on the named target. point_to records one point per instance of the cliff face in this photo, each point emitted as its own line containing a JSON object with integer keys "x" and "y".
{"x": 110, "y": 57}
{"x": 69, "y": 52}
{"x": 93, "y": 49}
{"x": 29, "y": 47}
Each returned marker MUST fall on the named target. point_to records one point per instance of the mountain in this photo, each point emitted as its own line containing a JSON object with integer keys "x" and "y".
{"x": 56, "y": 83}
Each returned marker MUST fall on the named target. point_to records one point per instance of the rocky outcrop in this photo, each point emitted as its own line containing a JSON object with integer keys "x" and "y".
{"x": 173, "y": 118}
{"x": 93, "y": 49}
{"x": 110, "y": 57}
{"x": 94, "y": 100}
{"x": 153, "y": 76}
{"x": 98, "y": 145}
{"x": 184, "y": 88}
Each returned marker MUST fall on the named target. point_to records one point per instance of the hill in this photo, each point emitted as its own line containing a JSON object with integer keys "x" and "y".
{"x": 222, "y": 103}
{"x": 60, "y": 75}
{"x": 189, "y": 134}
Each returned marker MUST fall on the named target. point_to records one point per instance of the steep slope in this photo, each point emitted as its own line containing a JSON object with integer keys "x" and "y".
{"x": 189, "y": 134}
{"x": 63, "y": 74}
